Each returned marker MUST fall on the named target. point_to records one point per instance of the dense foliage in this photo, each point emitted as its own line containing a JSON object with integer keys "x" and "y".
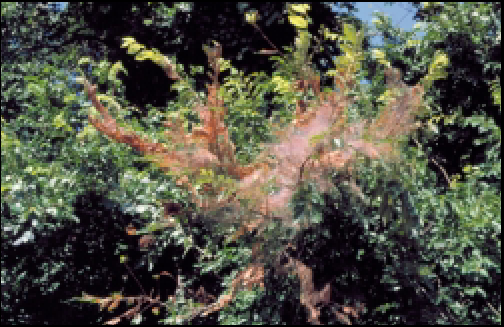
{"x": 413, "y": 237}
{"x": 95, "y": 30}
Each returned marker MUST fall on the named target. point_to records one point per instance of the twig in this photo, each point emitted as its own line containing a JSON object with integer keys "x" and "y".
{"x": 427, "y": 228}
{"x": 436, "y": 163}
{"x": 493, "y": 309}
{"x": 266, "y": 38}
{"x": 134, "y": 277}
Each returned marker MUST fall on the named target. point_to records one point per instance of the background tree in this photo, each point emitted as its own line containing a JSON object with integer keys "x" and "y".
{"x": 175, "y": 29}
{"x": 468, "y": 118}
{"x": 55, "y": 197}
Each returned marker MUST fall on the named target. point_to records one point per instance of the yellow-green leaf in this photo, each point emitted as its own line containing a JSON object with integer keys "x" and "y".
{"x": 118, "y": 66}
{"x": 127, "y": 41}
{"x": 412, "y": 43}
{"x": 134, "y": 48}
{"x": 282, "y": 85}
{"x": 301, "y": 8}
{"x": 109, "y": 99}
{"x": 6, "y": 188}
{"x": 332, "y": 72}
{"x": 429, "y": 4}
{"x": 380, "y": 56}
{"x": 376, "y": 21}
{"x": 59, "y": 122}
{"x": 440, "y": 59}
{"x": 224, "y": 64}
{"x": 69, "y": 98}
{"x": 123, "y": 258}
{"x": 84, "y": 60}
{"x": 88, "y": 130}
{"x": 386, "y": 96}
{"x": 329, "y": 35}
{"x": 251, "y": 17}
{"x": 79, "y": 80}
{"x": 147, "y": 54}
{"x": 350, "y": 33}
{"x": 298, "y": 21}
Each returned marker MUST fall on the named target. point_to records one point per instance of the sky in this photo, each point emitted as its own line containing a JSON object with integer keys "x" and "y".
{"x": 401, "y": 14}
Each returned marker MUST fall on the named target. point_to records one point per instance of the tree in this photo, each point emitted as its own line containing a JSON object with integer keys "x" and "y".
{"x": 176, "y": 29}
{"x": 52, "y": 173}
{"x": 53, "y": 207}
{"x": 197, "y": 169}
{"x": 467, "y": 115}
{"x": 391, "y": 240}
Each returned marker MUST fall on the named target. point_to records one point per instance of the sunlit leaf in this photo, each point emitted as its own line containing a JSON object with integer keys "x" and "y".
{"x": 298, "y": 21}
{"x": 300, "y": 8}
